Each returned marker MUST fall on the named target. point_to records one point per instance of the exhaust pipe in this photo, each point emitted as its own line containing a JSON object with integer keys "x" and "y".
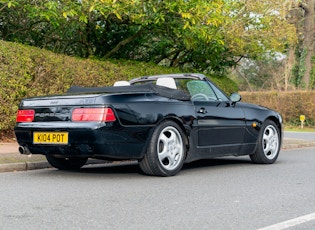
{"x": 24, "y": 150}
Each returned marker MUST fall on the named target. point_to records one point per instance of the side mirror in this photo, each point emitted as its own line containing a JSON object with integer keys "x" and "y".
{"x": 235, "y": 97}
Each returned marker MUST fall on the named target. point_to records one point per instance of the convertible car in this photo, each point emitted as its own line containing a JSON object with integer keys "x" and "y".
{"x": 162, "y": 121}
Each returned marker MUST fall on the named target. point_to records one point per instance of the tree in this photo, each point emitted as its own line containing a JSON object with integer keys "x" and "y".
{"x": 258, "y": 28}
{"x": 264, "y": 74}
{"x": 209, "y": 36}
{"x": 304, "y": 12}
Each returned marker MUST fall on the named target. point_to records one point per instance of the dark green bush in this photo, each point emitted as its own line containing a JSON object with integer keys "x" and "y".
{"x": 226, "y": 84}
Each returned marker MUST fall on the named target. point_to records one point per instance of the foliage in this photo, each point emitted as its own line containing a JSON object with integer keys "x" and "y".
{"x": 264, "y": 74}
{"x": 302, "y": 15}
{"x": 259, "y": 27}
{"x": 312, "y": 75}
{"x": 290, "y": 104}
{"x": 226, "y": 84}
{"x": 299, "y": 68}
{"x": 208, "y": 36}
{"x": 28, "y": 71}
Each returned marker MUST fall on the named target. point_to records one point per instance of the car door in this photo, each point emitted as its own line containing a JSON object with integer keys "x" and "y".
{"x": 221, "y": 123}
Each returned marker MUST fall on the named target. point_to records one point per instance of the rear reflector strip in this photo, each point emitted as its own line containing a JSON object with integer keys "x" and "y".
{"x": 93, "y": 115}
{"x": 25, "y": 115}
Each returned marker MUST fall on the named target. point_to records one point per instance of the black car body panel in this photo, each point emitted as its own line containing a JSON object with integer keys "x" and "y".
{"x": 213, "y": 128}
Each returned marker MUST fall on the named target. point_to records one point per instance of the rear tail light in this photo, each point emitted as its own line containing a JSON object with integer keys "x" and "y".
{"x": 25, "y": 115}
{"x": 93, "y": 115}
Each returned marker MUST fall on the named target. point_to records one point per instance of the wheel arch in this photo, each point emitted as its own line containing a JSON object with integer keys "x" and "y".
{"x": 179, "y": 122}
{"x": 277, "y": 122}
{"x": 185, "y": 128}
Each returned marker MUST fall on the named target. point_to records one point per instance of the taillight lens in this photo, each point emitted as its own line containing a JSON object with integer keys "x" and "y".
{"x": 25, "y": 115}
{"x": 93, "y": 115}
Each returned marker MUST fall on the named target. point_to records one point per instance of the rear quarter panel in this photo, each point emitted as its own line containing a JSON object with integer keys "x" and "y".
{"x": 149, "y": 109}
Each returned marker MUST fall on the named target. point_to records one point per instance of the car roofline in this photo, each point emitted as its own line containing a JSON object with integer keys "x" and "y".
{"x": 178, "y": 75}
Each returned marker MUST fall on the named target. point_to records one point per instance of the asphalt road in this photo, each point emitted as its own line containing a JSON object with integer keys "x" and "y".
{"x": 307, "y": 136}
{"x": 229, "y": 193}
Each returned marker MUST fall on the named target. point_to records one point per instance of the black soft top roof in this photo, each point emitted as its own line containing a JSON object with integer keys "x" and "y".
{"x": 146, "y": 88}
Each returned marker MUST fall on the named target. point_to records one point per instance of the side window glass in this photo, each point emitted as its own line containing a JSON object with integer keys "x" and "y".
{"x": 201, "y": 91}
{"x": 221, "y": 96}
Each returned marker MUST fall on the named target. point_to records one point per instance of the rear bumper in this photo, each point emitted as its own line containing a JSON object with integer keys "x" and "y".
{"x": 96, "y": 141}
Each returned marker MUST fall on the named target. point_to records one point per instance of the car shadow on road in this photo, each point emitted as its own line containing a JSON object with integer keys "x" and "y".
{"x": 132, "y": 167}
{"x": 217, "y": 162}
{"x": 128, "y": 167}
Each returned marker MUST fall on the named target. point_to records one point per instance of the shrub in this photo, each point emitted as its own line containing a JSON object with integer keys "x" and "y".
{"x": 289, "y": 104}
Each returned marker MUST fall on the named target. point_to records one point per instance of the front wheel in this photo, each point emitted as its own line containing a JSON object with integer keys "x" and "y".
{"x": 166, "y": 153}
{"x": 71, "y": 163}
{"x": 268, "y": 144}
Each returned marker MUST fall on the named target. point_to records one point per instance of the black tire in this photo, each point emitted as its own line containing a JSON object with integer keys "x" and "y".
{"x": 268, "y": 147}
{"x": 166, "y": 152}
{"x": 72, "y": 163}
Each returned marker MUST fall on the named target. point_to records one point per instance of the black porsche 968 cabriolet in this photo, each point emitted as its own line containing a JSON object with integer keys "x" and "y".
{"x": 162, "y": 121}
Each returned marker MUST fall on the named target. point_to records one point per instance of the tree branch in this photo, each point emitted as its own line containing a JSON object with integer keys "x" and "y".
{"x": 239, "y": 59}
{"x": 167, "y": 55}
{"x": 2, "y": 8}
{"x": 123, "y": 43}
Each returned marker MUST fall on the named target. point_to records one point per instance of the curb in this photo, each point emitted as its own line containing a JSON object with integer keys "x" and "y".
{"x": 298, "y": 144}
{"x": 23, "y": 166}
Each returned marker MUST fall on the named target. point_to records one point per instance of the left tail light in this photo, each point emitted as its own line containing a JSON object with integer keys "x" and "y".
{"x": 25, "y": 115}
{"x": 93, "y": 115}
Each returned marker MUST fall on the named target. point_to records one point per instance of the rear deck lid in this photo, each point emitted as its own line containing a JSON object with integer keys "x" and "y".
{"x": 65, "y": 100}
{"x": 56, "y": 108}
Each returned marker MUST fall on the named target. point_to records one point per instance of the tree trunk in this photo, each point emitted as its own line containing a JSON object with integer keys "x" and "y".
{"x": 288, "y": 65}
{"x": 309, "y": 36}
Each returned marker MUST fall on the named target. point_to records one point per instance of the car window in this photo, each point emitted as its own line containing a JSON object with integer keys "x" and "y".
{"x": 201, "y": 91}
{"x": 221, "y": 96}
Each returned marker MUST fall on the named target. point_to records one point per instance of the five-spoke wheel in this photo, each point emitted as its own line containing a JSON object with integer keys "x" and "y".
{"x": 268, "y": 144}
{"x": 166, "y": 153}
{"x": 170, "y": 148}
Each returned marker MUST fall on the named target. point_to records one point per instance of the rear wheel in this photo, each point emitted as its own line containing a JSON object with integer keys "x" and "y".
{"x": 166, "y": 153}
{"x": 71, "y": 163}
{"x": 268, "y": 144}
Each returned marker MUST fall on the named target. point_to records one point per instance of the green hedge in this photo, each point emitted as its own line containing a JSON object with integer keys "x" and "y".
{"x": 28, "y": 71}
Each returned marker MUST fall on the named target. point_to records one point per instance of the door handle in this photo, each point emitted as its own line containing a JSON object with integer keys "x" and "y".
{"x": 202, "y": 110}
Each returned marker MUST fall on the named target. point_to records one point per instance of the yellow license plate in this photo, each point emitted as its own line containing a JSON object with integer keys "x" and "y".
{"x": 50, "y": 138}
